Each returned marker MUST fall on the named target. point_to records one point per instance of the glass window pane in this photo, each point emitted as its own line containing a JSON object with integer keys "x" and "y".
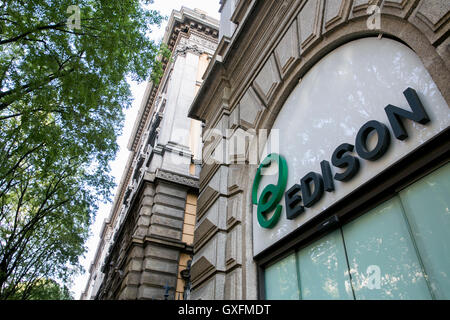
{"x": 281, "y": 280}
{"x": 323, "y": 269}
{"x": 427, "y": 206}
{"x": 383, "y": 260}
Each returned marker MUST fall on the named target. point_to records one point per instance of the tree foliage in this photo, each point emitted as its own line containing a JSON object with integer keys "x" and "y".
{"x": 63, "y": 90}
{"x": 41, "y": 289}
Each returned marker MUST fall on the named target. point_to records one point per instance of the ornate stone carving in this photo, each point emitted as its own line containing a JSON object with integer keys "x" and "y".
{"x": 177, "y": 178}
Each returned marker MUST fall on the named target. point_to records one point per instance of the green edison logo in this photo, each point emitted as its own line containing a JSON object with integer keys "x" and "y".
{"x": 271, "y": 194}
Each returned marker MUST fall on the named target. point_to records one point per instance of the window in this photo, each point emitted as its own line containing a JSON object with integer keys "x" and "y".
{"x": 323, "y": 271}
{"x": 398, "y": 250}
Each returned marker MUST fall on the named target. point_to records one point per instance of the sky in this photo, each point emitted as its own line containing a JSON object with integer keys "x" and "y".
{"x": 165, "y": 7}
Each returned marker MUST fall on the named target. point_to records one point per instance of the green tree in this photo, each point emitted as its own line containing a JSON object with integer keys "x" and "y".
{"x": 63, "y": 90}
{"x": 41, "y": 289}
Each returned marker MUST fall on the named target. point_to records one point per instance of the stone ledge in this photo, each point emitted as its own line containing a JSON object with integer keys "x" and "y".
{"x": 177, "y": 178}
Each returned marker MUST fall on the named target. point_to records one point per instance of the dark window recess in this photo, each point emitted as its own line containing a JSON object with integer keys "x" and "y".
{"x": 127, "y": 195}
{"x": 152, "y": 134}
{"x": 138, "y": 168}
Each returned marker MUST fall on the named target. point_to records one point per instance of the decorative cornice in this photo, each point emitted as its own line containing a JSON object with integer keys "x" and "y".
{"x": 189, "y": 181}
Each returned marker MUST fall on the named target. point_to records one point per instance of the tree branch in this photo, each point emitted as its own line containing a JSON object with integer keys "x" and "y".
{"x": 27, "y": 88}
{"x": 23, "y": 35}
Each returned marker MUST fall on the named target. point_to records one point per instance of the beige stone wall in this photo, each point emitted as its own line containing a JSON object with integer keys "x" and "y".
{"x": 195, "y": 131}
{"x": 188, "y": 238}
{"x": 248, "y": 81}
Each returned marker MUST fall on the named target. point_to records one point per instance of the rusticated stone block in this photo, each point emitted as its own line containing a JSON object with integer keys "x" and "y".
{"x": 250, "y": 109}
{"x": 168, "y": 211}
{"x": 171, "y": 190}
{"x": 399, "y": 8}
{"x": 234, "y": 118}
{"x": 149, "y": 190}
{"x": 336, "y": 12}
{"x": 135, "y": 264}
{"x": 214, "y": 219}
{"x": 136, "y": 252}
{"x": 361, "y": 5}
{"x": 155, "y": 264}
{"x": 213, "y": 289}
{"x": 130, "y": 292}
{"x": 216, "y": 186}
{"x": 158, "y": 279}
{"x": 156, "y": 251}
{"x": 233, "y": 285}
{"x": 235, "y": 177}
{"x": 143, "y": 221}
{"x": 434, "y": 12}
{"x": 132, "y": 278}
{"x": 149, "y": 292}
{"x": 433, "y": 19}
{"x": 166, "y": 222}
{"x": 209, "y": 258}
{"x": 147, "y": 201}
{"x": 164, "y": 232}
{"x": 267, "y": 80}
{"x": 169, "y": 200}
{"x": 287, "y": 51}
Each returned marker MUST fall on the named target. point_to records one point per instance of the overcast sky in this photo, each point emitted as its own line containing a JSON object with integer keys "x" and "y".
{"x": 118, "y": 165}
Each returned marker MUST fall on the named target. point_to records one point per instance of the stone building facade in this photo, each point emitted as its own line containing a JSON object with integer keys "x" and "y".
{"x": 265, "y": 51}
{"x": 147, "y": 241}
